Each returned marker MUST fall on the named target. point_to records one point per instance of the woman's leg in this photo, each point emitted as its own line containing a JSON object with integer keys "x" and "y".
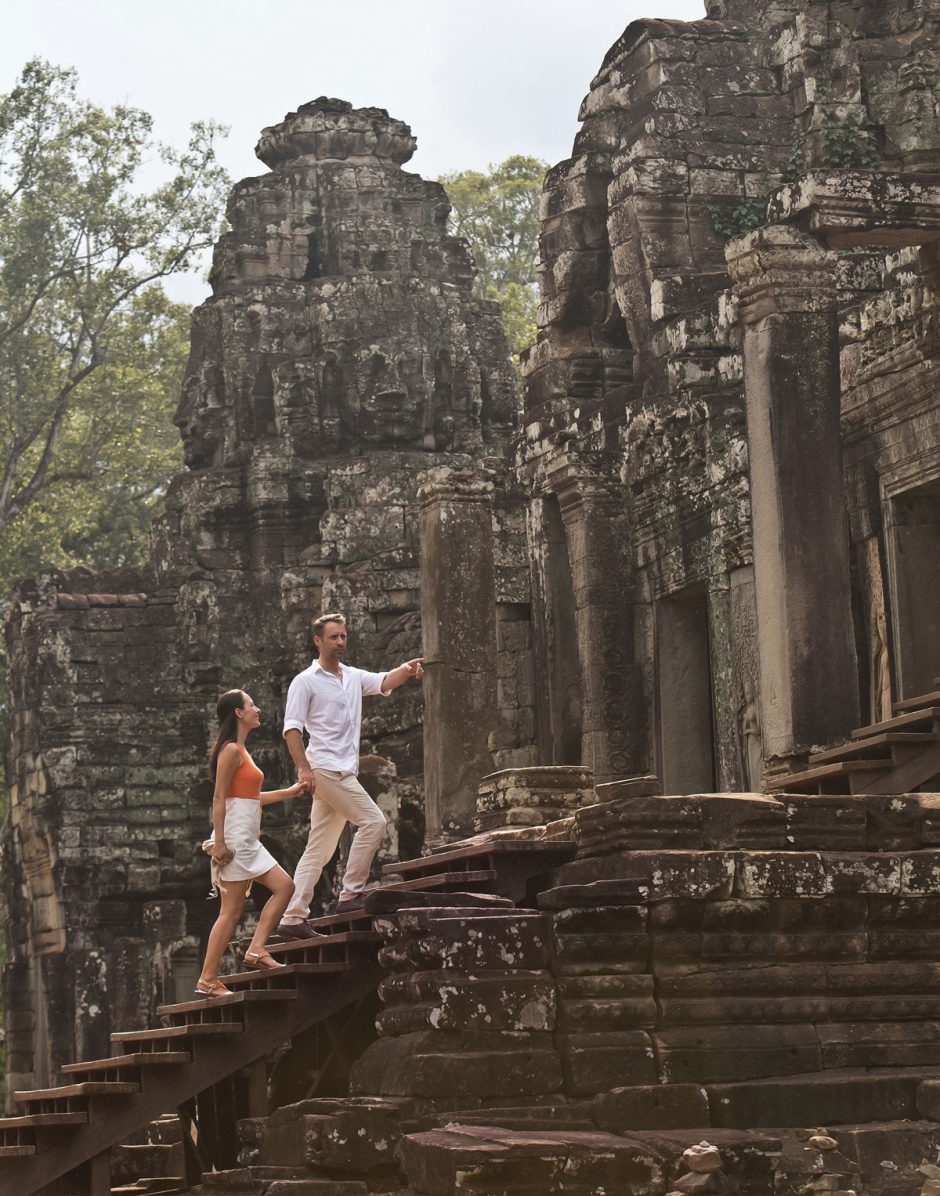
{"x": 282, "y": 889}
{"x": 233, "y": 905}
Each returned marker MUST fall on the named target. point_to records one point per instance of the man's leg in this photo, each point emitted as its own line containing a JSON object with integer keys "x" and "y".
{"x": 349, "y": 798}
{"x": 326, "y": 826}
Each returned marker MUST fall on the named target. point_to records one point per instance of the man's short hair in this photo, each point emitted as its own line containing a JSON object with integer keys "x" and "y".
{"x": 319, "y": 625}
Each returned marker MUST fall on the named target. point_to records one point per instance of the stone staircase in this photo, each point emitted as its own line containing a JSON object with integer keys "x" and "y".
{"x": 573, "y": 1014}
{"x": 899, "y": 755}
{"x": 62, "y": 1141}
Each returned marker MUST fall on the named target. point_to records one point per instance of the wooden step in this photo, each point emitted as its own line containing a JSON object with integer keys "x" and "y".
{"x": 16, "y": 1152}
{"x": 66, "y": 1091}
{"x": 873, "y": 743}
{"x": 139, "y": 1059}
{"x": 795, "y": 782}
{"x": 250, "y": 996}
{"x": 347, "y": 939}
{"x": 921, "y": 702}
{"x": 316, "y": 968}
{"x": 235, "y": 1048}
{"x": 31, "y": 1120}
{"x": 441, "y": 880}
{"x": 193, "y": 1030}
{"x": 162, "y": 1185}
{"x": 331, "y": 923}
{"x": 915, "y": 718}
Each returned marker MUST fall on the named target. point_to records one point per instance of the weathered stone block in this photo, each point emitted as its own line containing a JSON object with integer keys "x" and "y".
{"x": 651, "y": 1107}
{"x": 598, "y": 1061}
{"x": 833, "y": 1098}
{"x": 716, "y": 1053}
{"x": 457, "y": 1065}
{"x": 446, "y": 1000}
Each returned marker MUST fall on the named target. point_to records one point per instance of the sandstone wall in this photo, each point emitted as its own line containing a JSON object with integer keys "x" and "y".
{"x": 340, "y": 358}
{"x": 645, "y": 399}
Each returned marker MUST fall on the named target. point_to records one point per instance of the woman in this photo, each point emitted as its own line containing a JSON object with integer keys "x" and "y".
{"x": 237, "y": 854}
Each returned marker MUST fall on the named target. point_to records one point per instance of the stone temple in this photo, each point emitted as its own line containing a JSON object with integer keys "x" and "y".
{"x": 675, "y": 764}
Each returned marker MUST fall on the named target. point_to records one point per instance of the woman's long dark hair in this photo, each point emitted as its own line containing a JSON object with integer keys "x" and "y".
{"x": 230, "y": 701}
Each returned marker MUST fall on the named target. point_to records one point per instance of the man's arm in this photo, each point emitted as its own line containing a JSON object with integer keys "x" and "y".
{"x": 295, "y": 745}
{"x": 396, "y": 677}
{"x": 295, "y": 713}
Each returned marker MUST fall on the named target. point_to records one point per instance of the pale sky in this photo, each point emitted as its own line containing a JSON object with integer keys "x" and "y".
{"x": 476, "y": 81}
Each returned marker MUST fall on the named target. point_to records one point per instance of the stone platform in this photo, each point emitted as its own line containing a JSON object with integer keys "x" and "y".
{"x": 761, "y": 973}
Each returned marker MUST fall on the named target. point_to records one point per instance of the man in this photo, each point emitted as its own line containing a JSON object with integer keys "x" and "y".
{"x": 326, "y": 701}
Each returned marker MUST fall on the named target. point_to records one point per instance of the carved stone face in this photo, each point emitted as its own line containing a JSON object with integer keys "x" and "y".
{"x": 199, "y": 416}
{"x": 393, "y": 397}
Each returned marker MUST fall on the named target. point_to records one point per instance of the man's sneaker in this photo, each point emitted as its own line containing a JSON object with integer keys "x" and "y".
{"x": 349, "y": 905}
{"x": 297, "y": 930}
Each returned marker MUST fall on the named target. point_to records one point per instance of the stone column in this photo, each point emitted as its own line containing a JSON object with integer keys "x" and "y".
{"x": 458, "y": 627}
{"x": 614, "y": 730}
{"x": 786, "y": 286}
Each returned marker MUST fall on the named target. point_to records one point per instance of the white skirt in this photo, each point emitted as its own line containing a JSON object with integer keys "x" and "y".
{"x": 242, "y": 835}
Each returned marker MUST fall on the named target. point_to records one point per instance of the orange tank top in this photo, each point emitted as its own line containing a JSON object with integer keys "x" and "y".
{"x": 247, "y": 778}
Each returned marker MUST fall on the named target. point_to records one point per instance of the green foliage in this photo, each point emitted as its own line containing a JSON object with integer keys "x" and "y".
{"x": 796, "y": 162}
{"x": 848, "y": 139}
{"x": 116, "y": 452}
{"x": 88, "y": 341}
{"x": 498, "y": 213}
{"x": 91, "y": 349}
{"x": 748, "y": 214}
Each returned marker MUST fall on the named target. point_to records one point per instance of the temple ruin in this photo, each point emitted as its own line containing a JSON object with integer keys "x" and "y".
{"x": 675, "y": 760}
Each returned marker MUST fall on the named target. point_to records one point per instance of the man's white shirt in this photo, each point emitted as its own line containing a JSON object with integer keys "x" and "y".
{"x": 329, "y": 708}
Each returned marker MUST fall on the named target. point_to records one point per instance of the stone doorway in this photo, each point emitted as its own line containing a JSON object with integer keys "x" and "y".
{"x": 912, "y": 535}
{"x": 685, "y": 741}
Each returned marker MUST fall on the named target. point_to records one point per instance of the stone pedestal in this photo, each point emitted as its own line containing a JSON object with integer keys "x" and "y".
{"x": 786, "y": 285}
{"x": 458, "y": 601}
{"x": 532, "y": 796}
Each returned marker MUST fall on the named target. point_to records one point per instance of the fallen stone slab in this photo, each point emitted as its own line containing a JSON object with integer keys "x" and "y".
{"x": 351, "y": 1134}
{"x": 493, "y": 1161}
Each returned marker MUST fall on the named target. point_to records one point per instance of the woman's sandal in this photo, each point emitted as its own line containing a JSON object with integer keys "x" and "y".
{"x": 212, "y": 988}
{"x": 260, "y": 961}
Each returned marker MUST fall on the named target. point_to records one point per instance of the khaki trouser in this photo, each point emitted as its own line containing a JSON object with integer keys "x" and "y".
{"x": 338, "y": 799}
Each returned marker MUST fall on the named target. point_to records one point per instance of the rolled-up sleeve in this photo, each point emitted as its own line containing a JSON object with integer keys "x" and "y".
{"x": 371, "y": 683}
{"x": 298, "y": 702}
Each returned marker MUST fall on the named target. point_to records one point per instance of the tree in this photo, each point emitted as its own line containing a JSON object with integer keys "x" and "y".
{"x": 88, "y": 340}
{"x": 498, "y": 213}
{"x": 117, "y": 451}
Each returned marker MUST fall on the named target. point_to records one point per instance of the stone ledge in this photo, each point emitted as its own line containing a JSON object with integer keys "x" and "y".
{"x": 847, "y": 208}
